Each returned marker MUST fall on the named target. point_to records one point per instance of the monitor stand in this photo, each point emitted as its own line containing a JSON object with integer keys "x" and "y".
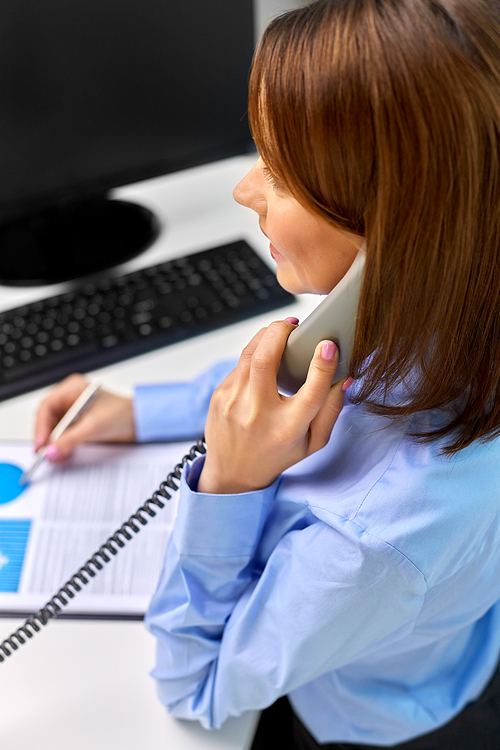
{"x": 76, "y": 239}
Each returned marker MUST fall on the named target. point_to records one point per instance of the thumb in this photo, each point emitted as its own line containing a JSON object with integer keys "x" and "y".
{"x": 323, "y": 423}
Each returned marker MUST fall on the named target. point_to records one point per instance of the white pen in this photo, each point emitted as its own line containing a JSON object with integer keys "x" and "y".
{"x": 75, "y": 411}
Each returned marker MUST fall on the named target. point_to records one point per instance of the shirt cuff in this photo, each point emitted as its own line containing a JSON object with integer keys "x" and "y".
{"x": 219, "y": 525}
{"x": 164, "y": 412}
{"x": 177, "y": 411}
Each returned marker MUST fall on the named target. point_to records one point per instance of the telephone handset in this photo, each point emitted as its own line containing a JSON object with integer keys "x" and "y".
{"x": 334, "y": 319}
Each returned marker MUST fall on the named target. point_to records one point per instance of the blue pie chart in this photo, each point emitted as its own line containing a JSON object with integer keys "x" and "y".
{"x": 9, "y": 482}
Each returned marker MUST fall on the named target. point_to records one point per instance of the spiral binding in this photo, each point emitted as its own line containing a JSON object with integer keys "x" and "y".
{"x": 94, "y": 564}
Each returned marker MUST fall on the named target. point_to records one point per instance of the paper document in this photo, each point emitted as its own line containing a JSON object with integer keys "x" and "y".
{"x": 68, "y": 512}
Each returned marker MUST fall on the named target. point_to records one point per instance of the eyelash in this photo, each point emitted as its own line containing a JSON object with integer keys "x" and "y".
{"x": 270, "y": 178}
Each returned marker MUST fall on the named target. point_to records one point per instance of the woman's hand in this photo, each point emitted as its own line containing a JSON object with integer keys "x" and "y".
{"x": 253, "y": 433}
{"x": 110, "y": 418}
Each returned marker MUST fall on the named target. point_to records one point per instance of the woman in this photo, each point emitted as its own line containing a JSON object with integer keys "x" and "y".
{"x": 348, "y": 555}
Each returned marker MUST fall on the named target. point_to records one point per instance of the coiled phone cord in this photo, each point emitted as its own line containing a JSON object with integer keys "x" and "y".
{"x": 94, "y": 564}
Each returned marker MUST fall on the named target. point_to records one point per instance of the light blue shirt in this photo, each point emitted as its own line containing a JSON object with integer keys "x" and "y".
{"x": 364, "y": 583}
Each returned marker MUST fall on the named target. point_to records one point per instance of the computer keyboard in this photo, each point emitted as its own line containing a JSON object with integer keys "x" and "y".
{"x": 111, "y": 319}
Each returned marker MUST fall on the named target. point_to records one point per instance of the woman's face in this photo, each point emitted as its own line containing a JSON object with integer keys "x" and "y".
{"x": 311, "y": 255}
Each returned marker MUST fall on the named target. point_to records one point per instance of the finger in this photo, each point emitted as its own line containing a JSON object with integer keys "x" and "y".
{"x": 252, "y": 344}
{"x": 109, "y": 419}
{"x": 249, "y": 350}
{"x": 267, "y": 356}
{"x": 323, "y": 423}
{"x": 245, "y": 360}
{"x": 79, "y": 433}
{"x": 55, "y": 405}
{"x": 312, "y": 395}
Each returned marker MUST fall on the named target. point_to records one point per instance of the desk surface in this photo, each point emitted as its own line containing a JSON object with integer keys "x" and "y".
{"x": 85, "y": 684}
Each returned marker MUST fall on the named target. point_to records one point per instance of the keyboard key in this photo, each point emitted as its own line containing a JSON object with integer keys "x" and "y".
{"x": 140, "y": 318}
{"x": 109, "y": 341}
{"x": 165, "y": 288}
{"x": 103, "y": 330}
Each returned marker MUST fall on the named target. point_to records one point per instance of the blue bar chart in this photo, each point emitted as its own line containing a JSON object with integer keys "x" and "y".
{"x": 14, "y": 535}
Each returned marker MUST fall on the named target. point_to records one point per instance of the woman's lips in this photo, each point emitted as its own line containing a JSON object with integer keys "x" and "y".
{"x": 276, "y": 253}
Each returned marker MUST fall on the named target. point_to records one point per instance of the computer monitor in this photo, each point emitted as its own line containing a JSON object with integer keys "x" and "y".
{"x": 100, "y": 93}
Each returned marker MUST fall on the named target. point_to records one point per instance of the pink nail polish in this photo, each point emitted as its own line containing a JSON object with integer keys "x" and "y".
{"x": 328, "y": 350}
{"x": 52, "y": 452}
{"x": 293, "y": 321}
{"x": 347, "y": 383}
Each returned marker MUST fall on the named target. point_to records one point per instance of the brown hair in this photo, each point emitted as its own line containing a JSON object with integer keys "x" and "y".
{"x": 383, "y": 116}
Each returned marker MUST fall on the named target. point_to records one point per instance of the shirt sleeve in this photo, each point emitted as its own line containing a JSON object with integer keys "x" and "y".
{"x": 236, "y": 632}
{"x": 176, "y": 411}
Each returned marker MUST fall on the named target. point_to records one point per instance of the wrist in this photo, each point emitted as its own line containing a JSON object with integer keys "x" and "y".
{"x": 219, "y": 482}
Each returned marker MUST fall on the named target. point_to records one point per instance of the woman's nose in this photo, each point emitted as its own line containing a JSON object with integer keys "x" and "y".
{"x": 239, "y": 191}
{"x": 249, "y": 191}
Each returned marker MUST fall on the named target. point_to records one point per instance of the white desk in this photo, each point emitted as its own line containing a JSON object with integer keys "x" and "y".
{"x": 84, "y": 684}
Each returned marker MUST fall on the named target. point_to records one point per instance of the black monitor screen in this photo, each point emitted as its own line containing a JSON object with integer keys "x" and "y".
{"x": 100, "y": 93}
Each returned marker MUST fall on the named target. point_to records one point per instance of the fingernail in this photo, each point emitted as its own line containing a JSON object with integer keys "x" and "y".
{"x": 293, "y": 321}
{"x": 347, "y": 383}
{"x": 328, "y": 350}
{"x": 38, "y": 443}
{"x": 52, "y": 452}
